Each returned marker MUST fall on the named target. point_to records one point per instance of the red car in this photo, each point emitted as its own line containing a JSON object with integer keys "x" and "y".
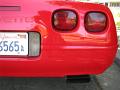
{"x": 55, "y": 38}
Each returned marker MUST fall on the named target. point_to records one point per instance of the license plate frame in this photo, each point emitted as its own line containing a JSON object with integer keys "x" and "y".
{"x": 19, "y": 41}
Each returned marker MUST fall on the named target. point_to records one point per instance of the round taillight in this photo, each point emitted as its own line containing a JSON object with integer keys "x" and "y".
{"x": 64, "y": 20}
{"x": 95, "y": 22}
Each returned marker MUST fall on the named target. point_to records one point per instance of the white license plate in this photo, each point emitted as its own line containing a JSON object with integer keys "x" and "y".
{"x": 13, "y": 43}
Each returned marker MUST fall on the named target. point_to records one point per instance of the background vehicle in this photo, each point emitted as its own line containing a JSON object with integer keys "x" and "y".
{"x": 41, "y": 38}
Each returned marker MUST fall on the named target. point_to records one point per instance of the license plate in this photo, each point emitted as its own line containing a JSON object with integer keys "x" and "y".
{"x": 13, "y": 43}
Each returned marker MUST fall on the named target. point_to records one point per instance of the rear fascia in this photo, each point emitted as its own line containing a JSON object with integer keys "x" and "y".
{"x": 71, "y": 53}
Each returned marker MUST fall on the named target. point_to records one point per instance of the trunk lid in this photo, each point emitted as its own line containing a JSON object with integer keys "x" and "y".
{"x": 19, "y": 15}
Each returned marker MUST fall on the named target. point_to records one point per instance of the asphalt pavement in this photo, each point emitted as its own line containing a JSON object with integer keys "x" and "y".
{"x": 44, "y": 84}
{"x": 109, "y": 80}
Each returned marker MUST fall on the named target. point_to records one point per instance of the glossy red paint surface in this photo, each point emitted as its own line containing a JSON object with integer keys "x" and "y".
{"x": 62, "y": 53}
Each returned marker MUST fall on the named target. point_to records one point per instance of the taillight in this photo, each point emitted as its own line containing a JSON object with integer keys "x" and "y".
{"x": 95, "y": 22}
{"x": 34, "y": 43}
{"x": 64, "y": 20}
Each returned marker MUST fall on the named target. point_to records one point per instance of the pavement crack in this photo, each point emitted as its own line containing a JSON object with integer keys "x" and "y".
{"x": 99, "y": 87}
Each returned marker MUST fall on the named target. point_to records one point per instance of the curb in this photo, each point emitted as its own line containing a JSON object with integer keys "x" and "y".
{"x": 117, "y": 61}
{"x": 117, "y": 58}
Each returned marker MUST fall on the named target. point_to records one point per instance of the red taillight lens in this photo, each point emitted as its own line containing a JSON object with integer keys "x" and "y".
{"x": 95, "y": 22}
{"x": 64, "y": 20}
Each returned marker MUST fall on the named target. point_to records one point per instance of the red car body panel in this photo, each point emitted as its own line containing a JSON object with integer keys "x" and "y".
{"x": 77, "y": 52}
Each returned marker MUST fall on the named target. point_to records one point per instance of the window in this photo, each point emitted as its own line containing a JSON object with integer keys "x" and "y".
{"x": 114, "y": 4}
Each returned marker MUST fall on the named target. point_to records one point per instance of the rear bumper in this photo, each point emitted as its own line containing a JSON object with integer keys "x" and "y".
{"x": 69, "y": 60}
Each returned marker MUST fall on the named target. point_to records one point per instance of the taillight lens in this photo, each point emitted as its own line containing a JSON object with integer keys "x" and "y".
{"x": 64, "y": 20}
{"x": 34, "y": 44}
{"x": 95, "y": 22}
